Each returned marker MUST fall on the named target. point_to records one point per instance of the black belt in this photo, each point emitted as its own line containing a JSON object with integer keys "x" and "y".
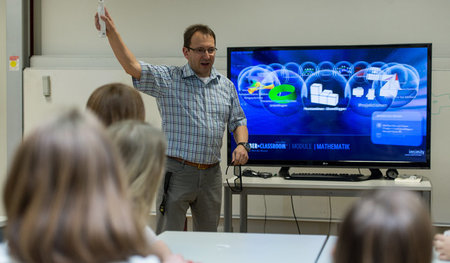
{"x": 200, "y": 166}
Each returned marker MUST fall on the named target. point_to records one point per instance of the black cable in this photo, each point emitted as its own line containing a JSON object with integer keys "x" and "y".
{"x": 328, "y": 234}
{"x": 295, "y": 217}
{"x": 321, "y": 249}
{"x": 236, "y": 188}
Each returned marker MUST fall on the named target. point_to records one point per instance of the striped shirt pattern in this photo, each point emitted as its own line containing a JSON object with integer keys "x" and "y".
{"x": 194, "y": 114}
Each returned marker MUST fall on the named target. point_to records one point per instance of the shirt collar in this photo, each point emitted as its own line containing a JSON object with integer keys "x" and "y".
{"x": 188, "y": 72}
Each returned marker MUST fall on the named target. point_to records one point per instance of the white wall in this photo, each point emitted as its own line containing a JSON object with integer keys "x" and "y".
{"x": 78, "y": 61}
{"x": 73, "y": 86}
{"x": 153, "y": 28}
{"x": 2, "y": 96}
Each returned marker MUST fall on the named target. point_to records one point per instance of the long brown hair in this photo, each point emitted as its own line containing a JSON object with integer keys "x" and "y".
{"x": 142, "y": 148}
{"x": 66, "y": 198}
{"x": 386, "y": 226}
{"x": 116, "y": 101}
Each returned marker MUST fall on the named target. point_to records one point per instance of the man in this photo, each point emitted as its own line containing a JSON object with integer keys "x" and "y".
{"x": 195, "y": 103}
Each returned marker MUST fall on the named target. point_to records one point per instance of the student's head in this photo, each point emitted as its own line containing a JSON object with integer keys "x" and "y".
{"x": 142, "y": 148}
{"x": 386, "y": 226}
{"x": 199, "y": 48}
{"x": 66, "y": 198}
{"x": 116, "y": 101}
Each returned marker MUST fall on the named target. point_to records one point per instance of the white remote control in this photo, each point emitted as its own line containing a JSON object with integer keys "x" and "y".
{"x": 101, "y": 12}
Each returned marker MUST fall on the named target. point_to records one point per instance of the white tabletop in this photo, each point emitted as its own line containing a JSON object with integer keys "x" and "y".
{"x": 280, "y": 182}
{"x": 206, "y": 247}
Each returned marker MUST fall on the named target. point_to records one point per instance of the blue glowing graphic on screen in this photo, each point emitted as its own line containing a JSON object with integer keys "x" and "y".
{"x": 334, "y": 104}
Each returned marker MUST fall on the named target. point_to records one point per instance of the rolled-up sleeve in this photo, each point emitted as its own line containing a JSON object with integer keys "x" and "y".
{"x": 237, "y": 115}
{"x": 154, "y": 79}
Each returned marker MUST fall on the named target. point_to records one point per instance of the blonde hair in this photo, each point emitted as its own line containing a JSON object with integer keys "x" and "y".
{"x": 65, "y": 196}
{"x": 142, "y": 148}
{"x": 116, "y": 101}
{"x": 386, "y": 226}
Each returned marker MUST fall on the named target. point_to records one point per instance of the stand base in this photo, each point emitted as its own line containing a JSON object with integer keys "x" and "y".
{"x": 284, "y": 172}
{"x": 391, "y": 173}
{"x": 375, "y": 174}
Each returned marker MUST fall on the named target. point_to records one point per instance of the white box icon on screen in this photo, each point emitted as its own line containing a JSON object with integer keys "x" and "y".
{"x": 332, "y": 99}
{"x": 316, "y": 88}
{"x": 314, "y": 98}
{"x": 323, "y": 99}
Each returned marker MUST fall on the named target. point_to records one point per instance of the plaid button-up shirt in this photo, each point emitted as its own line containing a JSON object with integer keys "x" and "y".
{"x": 194, "y": 114}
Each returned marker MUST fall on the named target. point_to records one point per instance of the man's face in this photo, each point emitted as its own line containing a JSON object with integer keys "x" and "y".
{"x": 199, "y": 58}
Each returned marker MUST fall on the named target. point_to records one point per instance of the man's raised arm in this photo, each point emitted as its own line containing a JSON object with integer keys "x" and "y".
{"x": 123, "y": 54}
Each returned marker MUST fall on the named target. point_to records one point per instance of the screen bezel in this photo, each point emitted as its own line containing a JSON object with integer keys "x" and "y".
{"x": 342, "y": 163}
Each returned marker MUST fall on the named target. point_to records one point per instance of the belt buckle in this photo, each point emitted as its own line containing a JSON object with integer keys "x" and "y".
{"x": 202, "y": 166}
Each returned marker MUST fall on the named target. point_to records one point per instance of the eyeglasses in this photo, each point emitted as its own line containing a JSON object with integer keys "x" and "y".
{"x": 237, "y": 188}
{"x": 201, "y": 50}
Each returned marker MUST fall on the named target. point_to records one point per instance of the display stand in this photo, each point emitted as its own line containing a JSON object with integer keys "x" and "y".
{"x": 375, "y": 174}
{"x": 284, "y": 172}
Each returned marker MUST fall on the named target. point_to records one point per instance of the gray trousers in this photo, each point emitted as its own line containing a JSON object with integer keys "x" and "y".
{"x": 201, "y": 190}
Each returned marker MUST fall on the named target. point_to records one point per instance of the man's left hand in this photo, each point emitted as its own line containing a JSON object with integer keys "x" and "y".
{"x": 240, "y": 155}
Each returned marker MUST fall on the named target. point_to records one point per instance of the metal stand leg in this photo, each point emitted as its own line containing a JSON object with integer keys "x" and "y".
{"x": 243, "y": 213}
{"x": 228, "y": 210}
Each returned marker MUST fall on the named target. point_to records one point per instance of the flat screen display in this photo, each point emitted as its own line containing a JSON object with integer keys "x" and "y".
{"x": 333, "y": 106}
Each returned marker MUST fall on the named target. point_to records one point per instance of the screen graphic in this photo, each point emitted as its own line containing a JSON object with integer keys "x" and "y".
{"x": 364, "y": 106}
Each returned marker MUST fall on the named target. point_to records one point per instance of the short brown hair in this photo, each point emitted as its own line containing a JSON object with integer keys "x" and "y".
{"x": 116, "y": 101}
{"x": 386, "y": 226}
{"x": 190, "y": 31}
